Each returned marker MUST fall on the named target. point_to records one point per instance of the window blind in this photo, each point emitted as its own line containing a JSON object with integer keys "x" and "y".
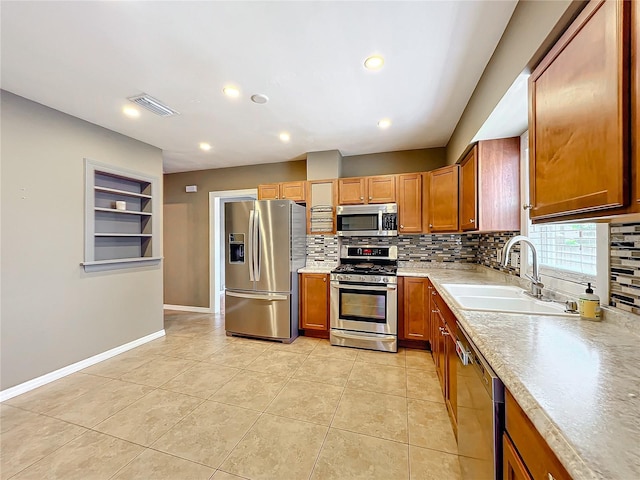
{"x": 568, "y": 246}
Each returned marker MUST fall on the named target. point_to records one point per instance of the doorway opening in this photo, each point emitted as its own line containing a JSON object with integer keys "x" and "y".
{"x": 216, "y": 240}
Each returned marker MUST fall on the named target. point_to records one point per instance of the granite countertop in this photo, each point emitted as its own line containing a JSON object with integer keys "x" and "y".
{"x": 578, "y": 381}
{"x": 318, "y": 267}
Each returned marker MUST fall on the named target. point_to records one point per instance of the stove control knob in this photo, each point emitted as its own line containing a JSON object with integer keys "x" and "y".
{"x": 384, "y": 279}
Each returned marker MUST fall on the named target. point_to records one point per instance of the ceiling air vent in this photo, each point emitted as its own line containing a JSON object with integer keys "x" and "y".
{"x": 153, "y": 105}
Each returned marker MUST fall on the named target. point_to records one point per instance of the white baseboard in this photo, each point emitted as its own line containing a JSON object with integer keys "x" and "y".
{"x": 74, "y": 367}
{"x": 187, "y": 308}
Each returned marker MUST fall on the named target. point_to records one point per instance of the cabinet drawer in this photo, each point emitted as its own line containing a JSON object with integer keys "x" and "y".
{"x": 536, "y": 454}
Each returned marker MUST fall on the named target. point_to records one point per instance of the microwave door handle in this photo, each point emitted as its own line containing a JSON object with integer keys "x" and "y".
{"x": 256, "y": 246}
{"x": 380, "y": 225}
{"x": 250, "y": 242}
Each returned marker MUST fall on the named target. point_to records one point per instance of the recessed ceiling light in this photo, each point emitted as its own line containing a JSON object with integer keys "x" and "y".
{"x": 384, "y": 123}
{"x": 205, "y": 146}
{"x": 232, "y": 92}
{"x": 374, "y": 62}
{"x": 285, "y": 137}
{"x": 260, "y": 98}
{"x": 131, "y": 112}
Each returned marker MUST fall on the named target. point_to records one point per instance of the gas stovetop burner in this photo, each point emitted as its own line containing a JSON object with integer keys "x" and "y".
{"x": 366, "y": 268}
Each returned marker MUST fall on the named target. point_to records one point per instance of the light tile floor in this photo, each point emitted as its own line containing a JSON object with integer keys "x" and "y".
{"x": 197, "y": 404}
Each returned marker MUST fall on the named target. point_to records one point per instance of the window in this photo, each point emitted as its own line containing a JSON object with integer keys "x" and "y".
{"x": 567, "y": 246}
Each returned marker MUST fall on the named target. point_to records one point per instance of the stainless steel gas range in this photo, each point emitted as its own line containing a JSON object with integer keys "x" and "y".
{"x": 364, "y": 298}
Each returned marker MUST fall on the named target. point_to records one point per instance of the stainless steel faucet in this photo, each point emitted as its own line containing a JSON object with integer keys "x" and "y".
{"x": 536, "y": 284}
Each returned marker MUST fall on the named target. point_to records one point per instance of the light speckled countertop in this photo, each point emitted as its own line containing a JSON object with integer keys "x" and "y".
{"x": 578, "y": 381}
{"x": 318, "y": 267}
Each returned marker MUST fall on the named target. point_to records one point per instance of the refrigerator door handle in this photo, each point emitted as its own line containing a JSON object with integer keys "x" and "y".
{"x": 257, "y": 296}
{"x": 250, "y": 234}
{"x": 256, "y": 245}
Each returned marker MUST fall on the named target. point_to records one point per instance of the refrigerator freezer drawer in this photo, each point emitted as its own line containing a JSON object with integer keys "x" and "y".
{"x": 265, "y": 315}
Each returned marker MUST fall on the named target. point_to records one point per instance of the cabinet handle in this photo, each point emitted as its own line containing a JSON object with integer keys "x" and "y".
{"x": 361, "y": 198}
{"x": 401, "y": 226}
{"x": 435, "y": 311}
{"x": 283, "y": 196}
{"x": 277, "y": 197}
{"x": 430, "y": 225}
{"x": 370, "y": 198}
{"x": 324, "y": 279}
{"x": 471, "y": 220}
{"x": 433, "y": 293}
{"x": 527, "y": 206}
{"x": 550, "y": 477}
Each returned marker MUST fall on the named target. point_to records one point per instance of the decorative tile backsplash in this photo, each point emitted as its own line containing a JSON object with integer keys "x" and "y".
{"x": 624, "y": 240}
{"x": 489, "y": 243}
{"x": 322, "y": 248}
{"x": 452, "y": 248}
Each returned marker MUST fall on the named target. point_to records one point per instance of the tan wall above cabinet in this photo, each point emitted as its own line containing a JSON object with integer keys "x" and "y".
{"x": 579, "y": 118}
{"x": 490, "y": 186}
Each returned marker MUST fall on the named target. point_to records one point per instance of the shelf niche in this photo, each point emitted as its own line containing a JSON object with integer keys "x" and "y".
{"x": 115, "y": 237}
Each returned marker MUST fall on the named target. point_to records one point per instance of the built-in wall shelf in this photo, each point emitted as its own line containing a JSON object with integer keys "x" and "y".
{"x": 121, "y": 192}
{"x": 115, "y": 210}
{"x": 120, "y": 231}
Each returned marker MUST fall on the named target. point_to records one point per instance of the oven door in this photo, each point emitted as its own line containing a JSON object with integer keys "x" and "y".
{"x": 364, "y": 307}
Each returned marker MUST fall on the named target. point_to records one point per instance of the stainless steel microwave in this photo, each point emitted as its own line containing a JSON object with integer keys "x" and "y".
{"x": 379, "y": 220}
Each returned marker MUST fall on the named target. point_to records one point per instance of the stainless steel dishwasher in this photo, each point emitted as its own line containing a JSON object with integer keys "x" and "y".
{"x": 480, "y": 413}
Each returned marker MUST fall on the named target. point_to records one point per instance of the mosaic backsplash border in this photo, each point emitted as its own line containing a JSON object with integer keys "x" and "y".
{"x": 624, "y": 256}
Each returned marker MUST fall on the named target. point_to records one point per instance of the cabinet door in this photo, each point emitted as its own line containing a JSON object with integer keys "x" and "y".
{"x": 469, "y": 191}
{"x": 512, "y": 466}
{"x": 410, "y": 203}
{"x": 443, "y": 199}
{"x": 635, "y": 97}
{"x": 381, "y": 189}
{"x": 439, "y": 341}
{"x": 351, "y": 191}
{"x": 314, "y": 298}
{"x": 416, "y": 303}
{"x": 293, "y": 191}
{"x": 269, "y": 191}
{"x": 578, "y": 117}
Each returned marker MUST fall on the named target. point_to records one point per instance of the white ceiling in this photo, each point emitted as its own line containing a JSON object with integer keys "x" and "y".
{"x": 86, "y": 58}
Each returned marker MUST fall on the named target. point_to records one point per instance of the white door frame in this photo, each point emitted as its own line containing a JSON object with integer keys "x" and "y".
{"x": 215, "y": 244}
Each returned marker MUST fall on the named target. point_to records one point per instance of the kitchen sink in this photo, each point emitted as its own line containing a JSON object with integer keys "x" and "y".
{"x": 498, "y": 298}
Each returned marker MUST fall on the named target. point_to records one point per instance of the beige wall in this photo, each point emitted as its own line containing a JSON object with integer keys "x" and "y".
{"x": 533, "y": 28}
{"x": 405, "y": 161}
{"x": 53, "y": 313}
{"x": 186, "y": 232}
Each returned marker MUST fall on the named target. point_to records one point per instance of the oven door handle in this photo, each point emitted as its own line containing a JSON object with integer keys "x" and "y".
{"x": 374, "y": 288}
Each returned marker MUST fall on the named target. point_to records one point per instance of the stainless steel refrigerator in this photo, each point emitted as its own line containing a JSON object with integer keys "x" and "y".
{"x": 265, "y": 246}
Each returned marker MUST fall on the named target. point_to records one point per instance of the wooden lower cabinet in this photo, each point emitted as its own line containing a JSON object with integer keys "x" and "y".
{"x": 416, "y": 308}
{"x": 536, "y": 456}
{"x": 512, "y": 466}
{"x": 314, "y": 302}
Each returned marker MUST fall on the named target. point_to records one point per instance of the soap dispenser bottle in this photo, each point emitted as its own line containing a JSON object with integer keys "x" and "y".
{"x": 589, "y": 305}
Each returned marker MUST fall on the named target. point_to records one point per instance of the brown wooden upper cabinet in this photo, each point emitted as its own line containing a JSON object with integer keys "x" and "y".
{"x": 362, "y": 190}
{"x": 579, "y": 117}
{"x": 410, "y": 203}
{"x": 351, "y": 191}
{"x": 285, "y": 190}
{"x": 490, "y": 186}
{"x": 269, "y": 191}
{"x": 443, "y": 199}
{"x": 381, "y": 189}
{"x": 635, "y": 98}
